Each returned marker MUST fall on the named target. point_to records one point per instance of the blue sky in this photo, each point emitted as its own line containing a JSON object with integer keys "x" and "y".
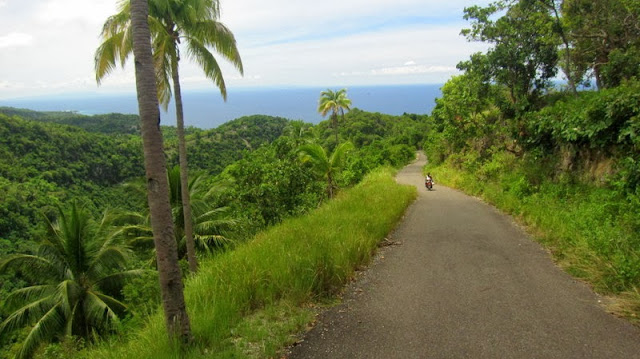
{"x": 47, "y": 46}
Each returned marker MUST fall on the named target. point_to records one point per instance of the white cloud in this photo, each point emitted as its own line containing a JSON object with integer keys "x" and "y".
{"x": 6, "y": 85}
{"x": 282, "y": 43}
{"x": 94, "y": 11}
{"x": 414, "y": 69}
{"x": 15, "y": 39}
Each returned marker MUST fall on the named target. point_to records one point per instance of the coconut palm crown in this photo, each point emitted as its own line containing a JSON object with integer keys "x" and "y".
{"x": 79, "y": 270}
{"x": 335, "y": 102}
{"x": 192, "y": 23}
{"x": 326, "y": 165}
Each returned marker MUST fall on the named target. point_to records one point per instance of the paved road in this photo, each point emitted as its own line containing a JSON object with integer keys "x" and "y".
{"x": 465, "y": 282}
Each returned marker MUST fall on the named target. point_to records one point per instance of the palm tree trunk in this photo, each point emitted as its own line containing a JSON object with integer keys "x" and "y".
{"x": 184, "y": 178}
{"x": 335, "y": 126}
{"x": 176, "y": 318}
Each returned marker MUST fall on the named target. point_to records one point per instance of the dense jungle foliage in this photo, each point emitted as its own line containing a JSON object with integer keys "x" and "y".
{"x": 564, "y": 157}
{"x": 246, "y": 176}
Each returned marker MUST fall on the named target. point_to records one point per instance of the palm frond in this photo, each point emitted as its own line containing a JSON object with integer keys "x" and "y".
{"x": 109, "y": 51}
{"x": 217, "y": 226}
{"x": 126, "y": 218}
{"x": 201, "y": 55}
{"x": 209, "y": 243}
{"x": 48, "y": 326}
{"x": 144, "y": 227}
{"x": 117, "y": 43}
{"x": 107, "y": 259}
{"x": 108, "y": 280}
{"x": 68, "y": 293}
{"x": 137, "y": 186}
{"x": 27, "y": 295}
{"x": 53, "y": 239}
{"x": 218, "y": 187}
{"x": 31, "y": 265}
{"x": 141, "y": 240}
{"x": 215, "y": 34}
{"x": 164, "y": 52}
{"x": 100, "y": 309}
{"x": 339, "y": 155}
{"x": 27, "y": 314}
{"x": 212, "y": 213}
{"x": 315, "y": 154}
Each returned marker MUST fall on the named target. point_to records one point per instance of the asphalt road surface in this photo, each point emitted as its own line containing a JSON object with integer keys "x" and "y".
{"x": 463, "y": 281}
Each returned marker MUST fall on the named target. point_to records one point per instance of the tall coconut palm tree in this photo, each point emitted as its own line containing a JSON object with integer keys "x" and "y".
{"x": 79, "y": 270}
{"x": 335, "y": 102}
{"x": 170, "y": 278}
{"x": 325, "y": 165}
{"x": 172, "y": 22}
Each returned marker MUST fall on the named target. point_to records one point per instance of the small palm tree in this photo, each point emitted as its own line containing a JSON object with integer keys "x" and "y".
{"x": 210, "y": 223}
{"x": 79, "y": 268}
{"x": 334, "y": 102}
{"x": 324, "y": 165}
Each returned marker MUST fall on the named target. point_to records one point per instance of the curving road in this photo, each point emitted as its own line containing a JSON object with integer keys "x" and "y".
{"x": 465, "y": 282}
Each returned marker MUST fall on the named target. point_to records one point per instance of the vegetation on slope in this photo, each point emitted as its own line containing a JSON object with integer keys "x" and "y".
{"x": 47, "y": 164}
{"x": 301, "y": 260}
{"x": 112, "y": 123}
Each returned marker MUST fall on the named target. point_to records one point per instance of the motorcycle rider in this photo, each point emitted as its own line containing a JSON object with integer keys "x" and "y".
{"x": 428, "y": 179}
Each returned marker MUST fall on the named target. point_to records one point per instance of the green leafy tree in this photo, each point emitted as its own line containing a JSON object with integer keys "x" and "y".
{"x": 524, "y": 53}
{"x": 326, "y": 165}
{"x": 269, "y": 184}
{"x": 335, "y": 102}
{"x": 172, "y": 22}
{"x": 606, "y": 38}
{"x": 465, "y": 113}
{"x": 79, "y": 270}
{"x": 169, "y": 273}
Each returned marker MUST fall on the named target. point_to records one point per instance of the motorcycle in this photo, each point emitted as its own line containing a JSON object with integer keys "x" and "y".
{"x": 428, "y": 183}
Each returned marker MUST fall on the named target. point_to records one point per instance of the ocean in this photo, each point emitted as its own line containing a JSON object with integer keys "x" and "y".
{"x": 206, "y": 109}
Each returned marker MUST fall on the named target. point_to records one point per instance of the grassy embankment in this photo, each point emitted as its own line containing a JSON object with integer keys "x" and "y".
{"x": 249, "y": 302}
{"x": 588, "y": 229}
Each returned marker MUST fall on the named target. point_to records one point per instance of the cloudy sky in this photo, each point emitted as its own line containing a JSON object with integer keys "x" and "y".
{"x": 47, "y": 46}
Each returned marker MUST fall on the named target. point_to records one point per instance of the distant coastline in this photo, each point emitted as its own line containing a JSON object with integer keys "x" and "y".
{"x": 205, "y": 109}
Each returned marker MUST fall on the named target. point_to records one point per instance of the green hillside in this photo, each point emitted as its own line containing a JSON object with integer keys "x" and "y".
{"x": 248, "y": 177}
{"x": 112, "y": 123}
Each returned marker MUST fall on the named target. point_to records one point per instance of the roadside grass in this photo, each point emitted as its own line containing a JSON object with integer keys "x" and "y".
{"x": 591, "y": 231}
{"x": 248, "y": 302}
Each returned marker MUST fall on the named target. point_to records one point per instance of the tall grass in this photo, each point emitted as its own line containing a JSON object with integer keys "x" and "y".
{"x": 299, "y": 261}
{"x": 591, "y": 231}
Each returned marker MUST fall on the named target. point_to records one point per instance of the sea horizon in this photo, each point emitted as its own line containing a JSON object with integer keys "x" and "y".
{"x": 206, "y": 109}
